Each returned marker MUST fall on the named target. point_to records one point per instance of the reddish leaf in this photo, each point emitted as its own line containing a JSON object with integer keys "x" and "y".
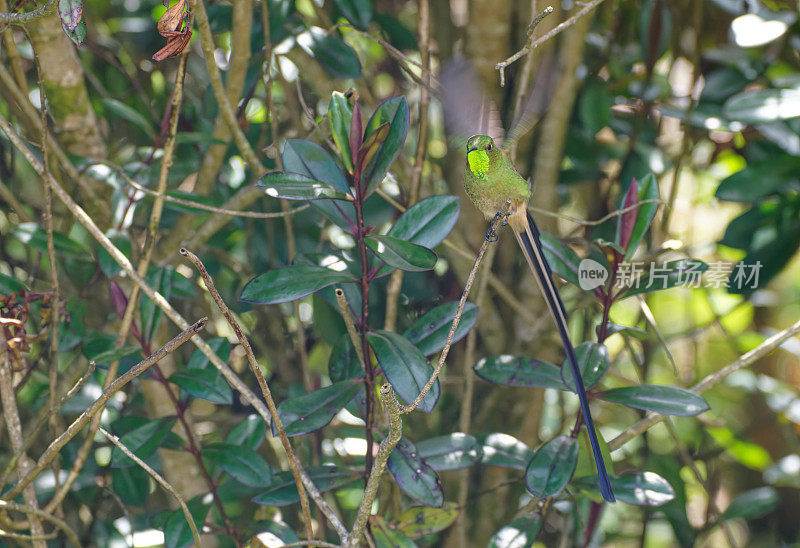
{"x": 628, "y": 219}
{"x": 372, "y": 145}
{"x": 118, "y": 298}
{"x": 175, "y": 46}
{"x": 170, "y": 22}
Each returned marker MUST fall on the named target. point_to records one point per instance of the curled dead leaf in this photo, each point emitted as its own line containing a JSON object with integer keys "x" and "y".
{"x": 170, "y": 23}
{"x": 175, "y": 46}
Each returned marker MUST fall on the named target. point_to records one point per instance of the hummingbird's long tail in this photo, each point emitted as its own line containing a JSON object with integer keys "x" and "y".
{"x": 528, "y": 238}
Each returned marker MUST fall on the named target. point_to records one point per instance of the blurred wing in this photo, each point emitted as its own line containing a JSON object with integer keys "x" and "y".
{"x": 467, "y": 109}
{"x": 536, "y": 102}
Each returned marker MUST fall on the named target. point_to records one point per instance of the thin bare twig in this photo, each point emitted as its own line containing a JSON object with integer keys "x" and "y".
{"x": 344, "y": 308}
{"x": 378, "y": 467}
{"x": 25, "y": 18}
{"x": 72, "y": 430}
{"x": 24, "y": 508}
{"x": 529, "y": 47}
{"x": 471, "y": 278}
{"x": 301, "y": 478}
{"x": 161, "y": 481}
{"x": 713, "y": 379}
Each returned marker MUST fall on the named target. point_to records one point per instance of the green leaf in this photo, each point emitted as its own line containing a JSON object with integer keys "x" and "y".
{"x": 290, "y": 283}
{"x": 32, "y": 235}
{"x": 122, "y": 241}
{"x": 667, "y": 400}
{"x": 401, "y": 254}
{"x": 595, "y": 106}
{"x": 336, "y": 56}
{"x": 752, "y": 504}
{"x": 666, "y": 276}
{"x": 648, "y": 190}
{"x": 344, "y": 363}
{"x": 759, "y": 179}
{"x": 220, "y": 346}
{"x": 451, "y": 452}
{"x": 765, "y": 105}
{"x": 499, "y": 449}
{"x": 78, "y": 34}
{"x": 207, "y": 384}
{"x": 552, "y": 466}
{"x": 520, "y": 371}
{"x": 177, "y": 533}
{"x": 142, "y": 441}
{"x": 385, "y": 536}
{"x": 316, "y": 409}
{"x": 593, "y": 362}
{"x": 394, "y": 111}
{"x": 427, "y": 222}
{"x": 405, "y": 367}
{"x": 638, "y": 488}
{"x": 429, "y": 333}
{"x": 120, "y": 109}
{"x": 339, "y": 115}
{"x": 284, "y": 490}
{"x": 518, "y": 534}
{"x": 722, "y": 83}
{"x": 9, "y": 285}
{"x": 562, "y": 259}
{"x": 294, "y": 186}
{"x": 70, "y": 12}
{"x": 310, "y": 159}
{"x": 250, "y": 432}
{"x": 131, "y": 484}
{"x": 358, "y": 12}
{"x": 413, "y": 475}
{"x": 243, "y": 463}
{"x": 419, "y": 521}
{"x": 634, "y": 332}
{"x": 104, "y": 358}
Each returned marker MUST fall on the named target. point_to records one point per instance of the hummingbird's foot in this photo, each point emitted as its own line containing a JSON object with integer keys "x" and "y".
{"x": 502, "y": 219}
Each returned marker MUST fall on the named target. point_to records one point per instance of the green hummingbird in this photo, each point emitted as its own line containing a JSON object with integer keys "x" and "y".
{"x": 490, "y": 180}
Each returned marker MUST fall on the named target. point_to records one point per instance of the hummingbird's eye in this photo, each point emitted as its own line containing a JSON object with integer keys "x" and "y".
{"x": 489, "y": 146}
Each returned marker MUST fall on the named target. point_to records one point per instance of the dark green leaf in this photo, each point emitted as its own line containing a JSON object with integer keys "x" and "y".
{"x": 752, "y": 504}
{"x": 415, "y": 478}
{"x": 336, "y": 57}
{"x": 120, "y": 109}
{"x": 722, "y": 83}
{"x": 419, "y": 521}
{"x": 667, "y": 400}
{"x": 552, "y": 466}
{"x": 344, "y": 363}
{"x": 294, "y": 186}
{"x": 243, "y": 463}
{"x": 595, "y": 106}
{"x": 405, "y": 367}
{"x": 207, "y": 384}
{"x": 9, "y": 285}
{"x": 310, "y": 159}
{"x": 451, "y": 452}
{"x": 339, "y": 115}
{"x": 131, "y": 484}
{"x": 520, "y": 371}
{"x": 429, "y": 333}
{"x": 221, "y": 348}
{"x": 518, "y": 534}
{"x": 648, "y": 190}
{"x": 290, "y": 283}
{"x": 593, "y": 362}
{"x": 250, "y": 432}
{"x": 503, "y": 450}
{"x": 358, "y": 12}
{"x": 759, "y": 179}
{"x": 32, "y": 235}
{"x": 562, "y": 259}
{"x": 668, "y": 275}
{"x": 112, "y": 355}
{"x": 70, "y": 12}
{"x": 764, "y": 105}
{"x": 316, "y": 409}
{"x": 399, "y": 35}
{"x": 78, "y": 34}
{"x": 385, "y": 536}
{"x": 284, "y": 489}
{"x": 122, "y": 241}
{"x": 638, "y": 488}
{"x": 634, "y": 332}
{"x": 142, "y": 441}
{"x": 427, "y": 222}
{"x": 177, "y": 533}
{"x": 394, "y": 111}
{"x": 401, "y": 254}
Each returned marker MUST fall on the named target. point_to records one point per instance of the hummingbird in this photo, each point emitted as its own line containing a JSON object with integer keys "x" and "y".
{"x": 491, "y": 180}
